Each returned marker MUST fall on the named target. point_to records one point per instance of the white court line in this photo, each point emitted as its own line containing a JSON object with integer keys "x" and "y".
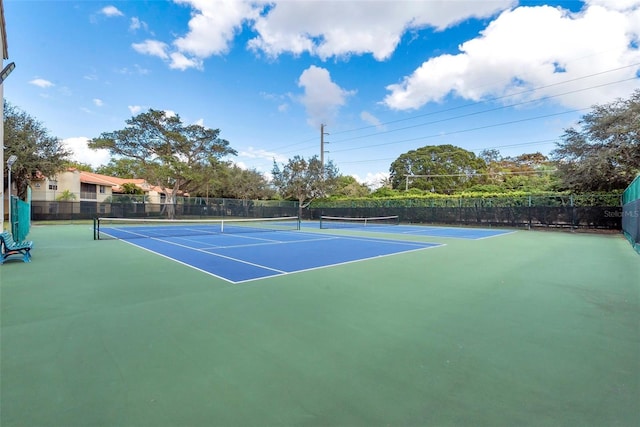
{"x": 497, "y": 235}
{"x": 218, "y": 255}
{"x": 282, "y": 272}
{"x": 263, "y": 243}
{"x": 435, "y": 245}
{"x": 182, "y": 262}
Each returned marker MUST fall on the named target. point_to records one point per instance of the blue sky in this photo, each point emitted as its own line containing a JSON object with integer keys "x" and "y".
{"x": 384, "y": 76}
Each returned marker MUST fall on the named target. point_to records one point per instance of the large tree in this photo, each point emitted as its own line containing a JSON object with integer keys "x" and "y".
{"x": 38, "y": 152}
{"x": 348, "y": 186}
{"x": 247, "y": 184}
{"x": 122, "y": 168}
{"x": 305, "y": 180}
{"x": 438, "y": 168}
{"x": 528, "y": 172}
{"x": 603, "y": 153}
{"x": 170, "y": 153}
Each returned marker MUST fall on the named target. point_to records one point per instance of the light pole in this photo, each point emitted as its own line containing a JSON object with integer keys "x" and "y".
{"x": 10, "y": 161}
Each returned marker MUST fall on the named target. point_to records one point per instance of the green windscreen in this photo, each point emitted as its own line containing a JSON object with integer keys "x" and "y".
{"x": 631, "y": 213}
{"x": 20, "y": 218}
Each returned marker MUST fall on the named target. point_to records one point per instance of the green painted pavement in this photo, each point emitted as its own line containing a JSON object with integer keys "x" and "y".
{"x": 531, "y": 328}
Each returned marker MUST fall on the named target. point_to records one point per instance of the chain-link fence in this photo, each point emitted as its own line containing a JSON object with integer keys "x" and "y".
{"x": 556, "y": 211}
{"x": 138, "y": 207}
{"x": 562, "y": 211}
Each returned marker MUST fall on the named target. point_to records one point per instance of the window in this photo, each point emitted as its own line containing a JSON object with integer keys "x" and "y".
{"x": 88, "y": 191}
{"x": 53, "y": 186}
{"x": 102, "y": 189}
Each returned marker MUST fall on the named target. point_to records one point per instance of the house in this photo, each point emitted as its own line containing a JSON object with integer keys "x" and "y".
{"x": 90, "y": 187}
{"x": 75, "y": 192}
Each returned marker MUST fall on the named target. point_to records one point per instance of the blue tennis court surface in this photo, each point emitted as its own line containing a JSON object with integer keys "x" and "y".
{"x": 422, "y": 230}
{"x": 250, "y": 256}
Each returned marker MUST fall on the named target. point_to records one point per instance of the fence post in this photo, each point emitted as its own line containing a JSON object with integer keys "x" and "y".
{"x": 529, "y": 211}
{"x": 573, "y": 212}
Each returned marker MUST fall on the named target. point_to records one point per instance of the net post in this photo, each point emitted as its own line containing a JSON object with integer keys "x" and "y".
{"x": 299, "y": 222}
{"x": 96, "y": 230}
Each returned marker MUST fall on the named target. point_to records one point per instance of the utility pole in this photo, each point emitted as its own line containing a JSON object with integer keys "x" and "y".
{"x": 322, "y": 142}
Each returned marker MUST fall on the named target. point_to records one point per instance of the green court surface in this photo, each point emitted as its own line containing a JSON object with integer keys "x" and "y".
{"x": 526, "y": 329}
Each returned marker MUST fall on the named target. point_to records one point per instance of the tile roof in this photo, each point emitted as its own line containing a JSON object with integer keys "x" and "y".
{"x": 116, "y": 183}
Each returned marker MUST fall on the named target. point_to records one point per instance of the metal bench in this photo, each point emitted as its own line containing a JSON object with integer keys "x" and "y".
{"x": 9, "y": 247}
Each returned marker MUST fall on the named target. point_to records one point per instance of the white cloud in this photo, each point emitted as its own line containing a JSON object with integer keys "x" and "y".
{"x": 241, "y": 165}
{"x": 371, "y": 119}
{"x": 137, "y": 69}
{"x": 83, "y": 154}
{"x": 212, "y": 28}
{"x": 214, "y": 25}
{"x": 176, "y": 60}
{"x": 41, "y": 83}
{"x": 281, "y": 100}
{"x": 357, "y": 27}
{"x": 199, "y": 122}
{"x": 253, "y": 153}
{"x": 135, "y": 24}
{"x": 322, "y": 97}
{"x": 153, "y": 48}
{"x": 373, "y": 180}
{"x": 134, "y": 109}
{"x": 322, "y": 29}
{"x": 620, "y": 5}
{"x": 534, "y": 47}
{"x": 111, "y": 11}
{"x": 98, "y": 102}
{"x": 181, "y": 62}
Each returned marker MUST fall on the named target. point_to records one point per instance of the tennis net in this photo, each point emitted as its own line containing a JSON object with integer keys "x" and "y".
{"x": 132, "y": 228}
{"x": 348, "y": 222}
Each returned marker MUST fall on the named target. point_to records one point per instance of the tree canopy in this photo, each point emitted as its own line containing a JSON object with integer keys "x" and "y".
{"x": 526, "y": 172}
{"x": 38, "y": 152}
{"x": 122, "y": 168}
{"x": 305, "y": 180}
{"x": 437, "y": 168}
{"x": 171, "y": 154}
{"x": 348, "y": 186}
{"x": 603, "y": 153}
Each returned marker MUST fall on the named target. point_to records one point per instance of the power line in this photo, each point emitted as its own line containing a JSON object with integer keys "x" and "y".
{"x": 490, "y": 99}
{"x": 468, "y": 175}
{"x": 540, "y": 142}
{"x": 467, "y": 130}
{"x": 314, "y": 140}
{"x": 450, "y": 175}
{"x": 485, "y": 111}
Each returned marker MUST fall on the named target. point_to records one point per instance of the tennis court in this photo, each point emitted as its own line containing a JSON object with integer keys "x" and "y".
{"x": 527, "y": 328}
{"x": 390, "y": 225}
{"x": 244, "y": 250}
